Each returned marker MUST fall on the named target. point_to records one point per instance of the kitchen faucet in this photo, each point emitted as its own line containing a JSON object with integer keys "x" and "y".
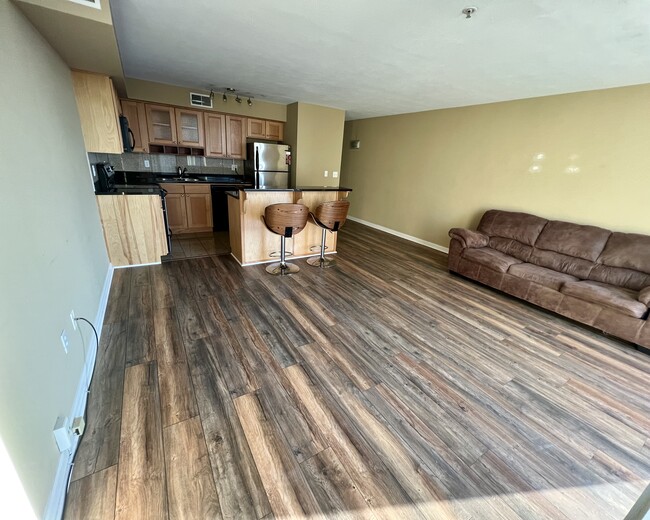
{"x": 182, "y": 172}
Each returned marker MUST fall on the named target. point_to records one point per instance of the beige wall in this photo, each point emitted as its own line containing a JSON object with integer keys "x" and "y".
{"x": 316, "y": 135}
{"x": 579, "y": 157}
{"x": 53, "y": 255}
{"x": 180, "y": 96}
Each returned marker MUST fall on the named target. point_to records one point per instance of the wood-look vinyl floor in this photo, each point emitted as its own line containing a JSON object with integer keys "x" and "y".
{"x": 382, "y": 388}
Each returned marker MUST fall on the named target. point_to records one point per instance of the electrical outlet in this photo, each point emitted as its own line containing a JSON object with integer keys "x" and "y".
{"x": 335, "y": 174}
{"x": 146, "y": 163}
{"x": 73, "y": 319}
{"x": 325, "y": 173}
{"x": 64, "y": 340}
{"x": 233, "y": 167}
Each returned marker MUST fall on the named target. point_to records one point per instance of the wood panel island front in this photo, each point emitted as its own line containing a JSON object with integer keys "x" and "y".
{"x": 252, "y": 243}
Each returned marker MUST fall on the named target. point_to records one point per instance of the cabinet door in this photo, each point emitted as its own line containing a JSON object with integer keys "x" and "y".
{"x": 236, "y": 137}
{"x": 161, "y": 124}
{"x": 274, "y": 130}
{"x": 215, "y": 135}
{"x": 137, "y": 117}
{"x": 176, "y": 211}
{"x": 256, "y": 128}
{"x": 96, "y": 103}
{"x": 199, "y": 208}
{"x": 189, "y": 128}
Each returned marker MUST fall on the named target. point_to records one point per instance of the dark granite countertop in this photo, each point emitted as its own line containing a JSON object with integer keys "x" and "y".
{"x": 303, "y": 188}
{"x": 138, "y": 178}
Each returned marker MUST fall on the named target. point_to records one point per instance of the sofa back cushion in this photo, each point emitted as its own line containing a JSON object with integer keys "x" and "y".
{"x": 627, "y": 250}
{"x": 628, "y": 278}
{"x": 586, "y": 242}
{"x": 522, "y": 227}
{"x": 624, "y": 262}
{"x": 578, "y": 267}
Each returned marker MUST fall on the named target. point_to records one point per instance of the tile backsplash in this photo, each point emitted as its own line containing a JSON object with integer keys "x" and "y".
{"x": 165, "y": 163}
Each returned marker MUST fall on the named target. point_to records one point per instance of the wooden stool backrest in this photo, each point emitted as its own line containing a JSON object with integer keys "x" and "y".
{"x": 286, "y": 219}
{"x": 332, "y": 215}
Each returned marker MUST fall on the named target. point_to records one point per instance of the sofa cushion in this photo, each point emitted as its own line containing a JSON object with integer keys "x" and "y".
{"x": 522, "y": 227}
{"x": 511, "y": 247}
{"x": 488, "y": 257}
{"x": 628, "y": 278}
{"x": 541, "y": 275}
{"x": 627, "y": 250}
{"x": 644, "y": 296}
{"x": 623, "y": 300}
{"x": 585, "y": 242}
{"x": 561, "y": 263}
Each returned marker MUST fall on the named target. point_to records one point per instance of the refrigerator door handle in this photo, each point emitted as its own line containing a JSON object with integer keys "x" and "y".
{"x": 257, "y": 167}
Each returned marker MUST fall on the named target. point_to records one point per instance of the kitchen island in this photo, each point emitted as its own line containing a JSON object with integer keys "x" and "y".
{"x": 252, "y": 243}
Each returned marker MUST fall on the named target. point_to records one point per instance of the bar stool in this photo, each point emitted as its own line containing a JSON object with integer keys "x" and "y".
{"x": 285, "y": 220}
{"x": 329, "y": 216}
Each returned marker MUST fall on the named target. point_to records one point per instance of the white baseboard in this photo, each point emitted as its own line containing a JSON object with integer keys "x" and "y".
{"x": 56, "y": 501}
{"x": 411, "y": 238}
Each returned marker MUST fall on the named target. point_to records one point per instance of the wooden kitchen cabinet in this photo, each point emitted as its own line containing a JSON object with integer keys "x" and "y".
{"x": 215, "y": 134}
{"x": 189, "y": 208}
{"x": 189, "y": 128}
{"x": 274, "y": 130}
{"x": 263, "y": 129}
{"x": 134, "y": 228}
{"x": 136, "y": 115}
{"x": 236, "y": 137}
{"x": 198, "y": 201}
{"x": 98, "y": 112}
{"x": 161, "y": 124}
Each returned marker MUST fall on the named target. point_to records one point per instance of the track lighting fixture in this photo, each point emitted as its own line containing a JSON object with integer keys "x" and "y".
{"x": 225, "y": 98}
{"x": 238, "y": 99}
{"x": 250, "y": 102}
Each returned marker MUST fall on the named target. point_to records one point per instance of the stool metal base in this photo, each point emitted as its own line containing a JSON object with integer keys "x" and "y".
{"x": 278, "y": 269}
{"x": 318, "y": 261}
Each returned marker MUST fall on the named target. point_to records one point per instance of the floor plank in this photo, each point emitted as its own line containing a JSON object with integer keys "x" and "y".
{"x": 141, "y": 485}
{"x": 190, "y": 486}
{"x": 92, "y": 496}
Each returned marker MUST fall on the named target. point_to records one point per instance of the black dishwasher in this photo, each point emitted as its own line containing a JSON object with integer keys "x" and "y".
{"x": 220, "y": 207}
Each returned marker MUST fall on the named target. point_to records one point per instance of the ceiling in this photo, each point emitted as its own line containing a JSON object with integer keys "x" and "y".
{"x": 379, "y": 58}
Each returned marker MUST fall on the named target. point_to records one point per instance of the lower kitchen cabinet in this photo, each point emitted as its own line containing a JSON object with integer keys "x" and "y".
{"x": 189, "y": 208}
{"x": 134, "y": 228}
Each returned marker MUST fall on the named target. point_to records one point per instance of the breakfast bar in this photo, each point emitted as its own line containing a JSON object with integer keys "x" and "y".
{"x": 252, "y": 243}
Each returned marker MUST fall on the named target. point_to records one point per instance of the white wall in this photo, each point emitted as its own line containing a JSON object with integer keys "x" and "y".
{"x": 52, "y": 257}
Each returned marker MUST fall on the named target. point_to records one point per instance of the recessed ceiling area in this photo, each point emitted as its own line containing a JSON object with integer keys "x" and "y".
{"x": 381, "y": 58}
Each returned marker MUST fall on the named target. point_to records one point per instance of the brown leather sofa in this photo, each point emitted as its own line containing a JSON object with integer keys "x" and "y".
{"x": 586, "y": 273}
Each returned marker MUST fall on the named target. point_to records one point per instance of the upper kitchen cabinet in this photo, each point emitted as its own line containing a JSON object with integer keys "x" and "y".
{"x": 274, "y": 130}
{"x": 236, "y": 137}
{"x": 215, "y": 134}
{"x": 189, "y": 128}
{"x": 136, "y": 115}
{"x": 98, "y": 111}
{"x": 262, "y": 129}
{"x": 161, "y": 124}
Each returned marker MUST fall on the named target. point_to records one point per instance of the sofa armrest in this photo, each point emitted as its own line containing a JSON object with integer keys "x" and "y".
{"x": 644, "y": 296}
{"x": 469, "y": 238}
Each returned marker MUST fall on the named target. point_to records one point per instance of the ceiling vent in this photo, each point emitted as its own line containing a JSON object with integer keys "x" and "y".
{"x": 200, "y": 100}
{"x": 89, "y": 3}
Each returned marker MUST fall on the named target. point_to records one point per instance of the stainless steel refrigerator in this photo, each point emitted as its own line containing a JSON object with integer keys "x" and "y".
{"x": 268, "y": 165}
